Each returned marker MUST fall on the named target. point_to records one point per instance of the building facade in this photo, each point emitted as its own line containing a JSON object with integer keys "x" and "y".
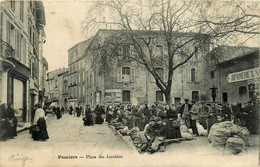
{"x": 76, "y": 73}
{"x": 128, "y": 82}
{"x": 55, "y": 92}
{"x": 235, "y": 75}
{"x": 22, "y": 36}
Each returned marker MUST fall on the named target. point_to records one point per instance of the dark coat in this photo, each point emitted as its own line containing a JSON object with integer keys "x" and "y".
{"x": 182, "y": 108}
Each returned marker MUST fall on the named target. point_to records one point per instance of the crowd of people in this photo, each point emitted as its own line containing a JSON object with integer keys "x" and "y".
{"x": 159, "y": 122}
{"x": 155, "y": 120}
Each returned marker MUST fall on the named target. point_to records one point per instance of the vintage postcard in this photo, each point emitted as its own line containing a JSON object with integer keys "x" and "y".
{"x": 129, "y": 83}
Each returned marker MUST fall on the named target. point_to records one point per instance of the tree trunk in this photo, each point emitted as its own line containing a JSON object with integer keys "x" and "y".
{"x": 168, "y": 98}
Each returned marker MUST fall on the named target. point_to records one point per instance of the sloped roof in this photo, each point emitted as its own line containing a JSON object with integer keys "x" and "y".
{"x": 228, "y": 53}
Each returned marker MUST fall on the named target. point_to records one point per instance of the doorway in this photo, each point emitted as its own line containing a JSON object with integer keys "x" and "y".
{"x": 225, "y": 97}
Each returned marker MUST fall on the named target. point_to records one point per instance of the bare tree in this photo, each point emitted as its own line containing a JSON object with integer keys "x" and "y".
{"x": 182, "y": 28}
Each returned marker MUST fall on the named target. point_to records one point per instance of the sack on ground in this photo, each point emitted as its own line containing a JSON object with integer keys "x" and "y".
{"x": 245, "y": 131}
{"x": 183, "y": 128}
{"x": 212, "y": 131}
{"x": 201, "y": 130}
{"x": 186, "y": 135}
{"x": 203, "y": 133}
{"x": 219, "y": 141}
{"x": 235, "y": 145}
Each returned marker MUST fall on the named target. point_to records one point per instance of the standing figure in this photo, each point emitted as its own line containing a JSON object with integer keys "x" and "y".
{"x": 12, "y": 120}
{"x": 71, "y": 110}
{"x": 62, "y": 110}
{"x": 88, "y": 120}
{"x": 99, "y": 112}
{"x": 203, "y": 114}
{"x": 109, "y": 113}
{"x": 213, "y": 116}
{"x": 54, "y": 109}
{"x": 5, "y": 126}
{"x": 79, "y": 111}
{"x": 40, "y": 123}
{"x": 185, "y": 114}
{"x": 194, "y": 113}
{"x": 58, "y": 113}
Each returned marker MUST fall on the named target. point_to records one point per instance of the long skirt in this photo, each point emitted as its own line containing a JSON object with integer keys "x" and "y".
{"x": 172, "y": 132}
{"x": 88, "y": 120}
{"x": 58, "y": 115}
{"x": 6, "y": 130}
{"x": 99, "y": 119}
{"x": 108, "y": 118}
{"x": 42, "y": 134}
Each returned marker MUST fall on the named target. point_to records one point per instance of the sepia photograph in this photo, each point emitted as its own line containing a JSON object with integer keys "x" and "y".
{"x": 122, "y": 83}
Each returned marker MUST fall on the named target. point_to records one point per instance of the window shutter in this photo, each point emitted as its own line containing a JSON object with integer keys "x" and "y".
{"x": 188, "y": 75}
{"x": 165, "y": 74}
{"x": 132, "y": 74}
{"x": 119, "y": 74}
{"x": 196, "y": 75}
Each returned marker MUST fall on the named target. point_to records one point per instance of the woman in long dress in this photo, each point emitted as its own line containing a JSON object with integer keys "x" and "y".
{"x": 58, "y": 114}
{"x": 99, "y": 111}
{"x": 88, "y": 120}
{"x": 40, "y": 121}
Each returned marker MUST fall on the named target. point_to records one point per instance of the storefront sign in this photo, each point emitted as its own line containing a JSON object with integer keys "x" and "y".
{"x": 244, "y": 75}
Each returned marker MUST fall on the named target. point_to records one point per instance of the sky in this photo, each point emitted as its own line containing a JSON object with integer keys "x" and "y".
{"x": 63, "y": 30}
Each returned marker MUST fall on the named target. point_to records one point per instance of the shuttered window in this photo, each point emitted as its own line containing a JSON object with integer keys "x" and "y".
{"x": 159, "y": 96}
{"x": 119, "y": 74}
{"x": 132, "y": 74}
{"x": 126, "y": 74}
{"x": 193, "y": 75}
{"x": 8, "y": 32}
{"x": 126, "y": 96}
{"x": 21, "y": 10}
{"x": 18, "y": 44}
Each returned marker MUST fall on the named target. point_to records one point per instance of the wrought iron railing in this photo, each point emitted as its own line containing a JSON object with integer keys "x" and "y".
{"x": 6, "y": 50}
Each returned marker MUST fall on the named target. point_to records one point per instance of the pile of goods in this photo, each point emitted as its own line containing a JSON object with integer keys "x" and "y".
{"x": 185, "y": 133}
{"x": 230, "y": 136}
{"x": 201, "y": 130}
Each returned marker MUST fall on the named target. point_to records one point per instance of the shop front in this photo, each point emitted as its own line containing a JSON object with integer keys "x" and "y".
{"x": 17, "y": 78}
{"x": 239, "y": 79}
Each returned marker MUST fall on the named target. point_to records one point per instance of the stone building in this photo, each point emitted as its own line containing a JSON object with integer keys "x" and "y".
{"x": 76, "y": 68}
{"x": 23, "y": 66}
{"x": 55, "y": 88}
{"x": 235, "y": 72}
{"x": 63, "y": 89}
{"x": 128, "y": 82}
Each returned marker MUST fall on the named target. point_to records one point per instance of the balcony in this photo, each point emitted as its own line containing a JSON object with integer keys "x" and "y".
{"x": 6, "y": 50}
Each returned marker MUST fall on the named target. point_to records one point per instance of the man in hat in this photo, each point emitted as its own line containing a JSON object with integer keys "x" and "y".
{"x": 185, "y": 112}
{"x": 203, "y": 114}
{"x": 150, "y": 131}
{"x": 155, "y": 134}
